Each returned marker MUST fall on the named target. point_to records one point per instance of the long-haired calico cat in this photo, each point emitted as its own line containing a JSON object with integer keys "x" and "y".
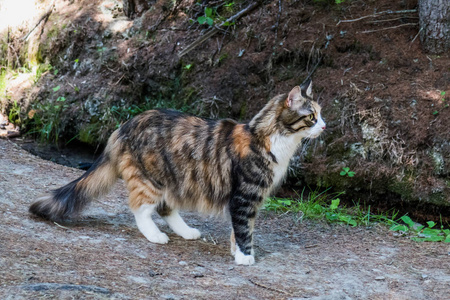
{"x": 171, "y": 161}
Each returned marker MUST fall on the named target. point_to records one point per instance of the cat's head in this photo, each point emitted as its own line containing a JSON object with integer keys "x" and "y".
{"x": 301, "y": 114}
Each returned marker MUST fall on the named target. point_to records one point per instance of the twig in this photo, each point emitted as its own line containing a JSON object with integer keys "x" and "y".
{"x": 278, "y": 20}
{"x": 219, "y": 48}
{"x": 420, "y": 30}
{"x": 387, "y": 12}
{"x": 217, "y": 28}
{"x": 158, "y": 22}
{"x": 390, "y": 20}
{"x": 268, "y": 287}
{"x": 313, "y": 70}
{"x": 387, "y": 28}
{"x": 61, "y": 226}
{"x": 45, "y": 17}
{"x": 12, "y": 50}
{"x": 119, "y": 80}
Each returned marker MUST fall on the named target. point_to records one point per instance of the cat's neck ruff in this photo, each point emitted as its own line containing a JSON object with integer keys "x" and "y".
{"x": 283, "y": 148}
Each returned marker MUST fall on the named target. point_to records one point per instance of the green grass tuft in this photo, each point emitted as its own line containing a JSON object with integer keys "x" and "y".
{"x": 327, "y": 206}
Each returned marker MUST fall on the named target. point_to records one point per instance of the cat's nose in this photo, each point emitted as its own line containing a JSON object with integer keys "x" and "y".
{"x": 324, "y": 127}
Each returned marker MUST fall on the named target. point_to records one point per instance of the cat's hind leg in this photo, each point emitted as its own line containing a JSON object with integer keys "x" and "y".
{"x": 144, "y": 198}
{"x": 176, "y": 223}
{"x": 148, "y": 228}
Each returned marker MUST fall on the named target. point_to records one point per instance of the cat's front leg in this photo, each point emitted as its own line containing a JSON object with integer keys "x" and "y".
{"x": 243, "y": 216}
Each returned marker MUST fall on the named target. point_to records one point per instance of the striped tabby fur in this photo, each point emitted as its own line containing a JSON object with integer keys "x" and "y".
{"x": 172, "y": 161}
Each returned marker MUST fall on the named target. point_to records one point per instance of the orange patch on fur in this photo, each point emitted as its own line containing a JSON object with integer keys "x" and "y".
{"x": 233, "y": 241}
{"x": 241, "y": 140}
{"x": 267, "y": 144}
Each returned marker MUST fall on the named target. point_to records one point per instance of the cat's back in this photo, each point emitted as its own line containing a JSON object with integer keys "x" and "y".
{"x": 172, "y": 126}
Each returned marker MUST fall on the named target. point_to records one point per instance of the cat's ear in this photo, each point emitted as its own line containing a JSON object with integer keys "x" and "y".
{"x": 294, "y": 95}
{"x": 307, "y": 89}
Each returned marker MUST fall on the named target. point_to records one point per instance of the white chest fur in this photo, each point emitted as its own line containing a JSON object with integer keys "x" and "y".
{"x": 283, "y": 147}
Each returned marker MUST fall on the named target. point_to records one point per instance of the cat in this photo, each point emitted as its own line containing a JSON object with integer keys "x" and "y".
{"x": 171, "y": 161}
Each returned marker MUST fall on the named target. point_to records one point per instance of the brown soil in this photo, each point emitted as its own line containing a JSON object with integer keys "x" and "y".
{"x": 103, "y": 255}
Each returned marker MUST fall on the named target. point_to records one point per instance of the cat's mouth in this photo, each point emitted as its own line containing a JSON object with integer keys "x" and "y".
{"x": 317, "y": 132}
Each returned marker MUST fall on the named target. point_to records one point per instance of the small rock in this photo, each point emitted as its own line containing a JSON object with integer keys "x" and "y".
{"x": 424, "y": 276}
{"x": 152, "y": 273}
{"x": 379, "y": 278}
{"x": 182, "y": 263}
{"x": 197, "y": 275}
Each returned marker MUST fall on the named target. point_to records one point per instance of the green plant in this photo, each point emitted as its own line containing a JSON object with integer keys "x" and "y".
{"x": 346, "y": 171}
{"x": 3, "y": 82}
{"x": 330, "y": 2}
{"x": 40, "y": 70}
{"x": 14, "y": 114}
{"x": 314, "y": 205}
{"x": 208, "y": 18}
{"x": 443, "y": 99}
{"x": 229, "y": 6}
{"x": 46, "y": 120}
{"x": 334, "y": 215}
{"x": 211, "y": 16}
{"x": 421, "y": 233}
{"x": 327, "y": 206}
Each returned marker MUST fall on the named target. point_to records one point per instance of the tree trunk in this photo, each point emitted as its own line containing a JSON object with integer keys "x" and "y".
{"x": 134, "y": 8}
{"x": 434, "y": 18}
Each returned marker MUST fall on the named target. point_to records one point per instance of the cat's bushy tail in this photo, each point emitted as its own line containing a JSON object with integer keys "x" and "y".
{"x": 69, "y": 200}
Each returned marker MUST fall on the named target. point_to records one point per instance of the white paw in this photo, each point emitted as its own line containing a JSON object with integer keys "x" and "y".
{"x": 158, "y": 238}
{"x": 244, "y": 259}
{"x": 191, "y": 234}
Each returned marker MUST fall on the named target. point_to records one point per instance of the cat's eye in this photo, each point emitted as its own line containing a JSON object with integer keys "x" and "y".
{"x": 311, "y": 117}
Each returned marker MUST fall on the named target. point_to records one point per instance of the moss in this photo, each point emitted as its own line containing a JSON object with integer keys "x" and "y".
{"x": 402, "y": 188}
{"x": 438, "y": 161}
{"x": 89, "y": 133}
{"x": 439, "y": 198}
{"x": 3, "y": 83}
{"x": 34, "y": 54}
{"x": 44, "y": 46}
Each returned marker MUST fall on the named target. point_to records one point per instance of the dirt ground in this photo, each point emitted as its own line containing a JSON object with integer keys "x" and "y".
{"x": 104, "y": 256}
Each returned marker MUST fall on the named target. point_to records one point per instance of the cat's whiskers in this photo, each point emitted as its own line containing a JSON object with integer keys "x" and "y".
{"x": 304, "y": 146}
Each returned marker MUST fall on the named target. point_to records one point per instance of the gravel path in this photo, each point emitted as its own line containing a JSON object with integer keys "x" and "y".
{"x": 103, "y": 256}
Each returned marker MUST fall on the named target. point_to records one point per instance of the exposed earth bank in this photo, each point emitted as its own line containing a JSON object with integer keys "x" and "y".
{"x": 87, "y": 68}
{"x": 103, "y": 255}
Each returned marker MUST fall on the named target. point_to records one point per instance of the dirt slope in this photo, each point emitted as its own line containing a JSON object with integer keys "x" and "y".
{"x": 103, "y": 255}
{"x": 385, "y": 101}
